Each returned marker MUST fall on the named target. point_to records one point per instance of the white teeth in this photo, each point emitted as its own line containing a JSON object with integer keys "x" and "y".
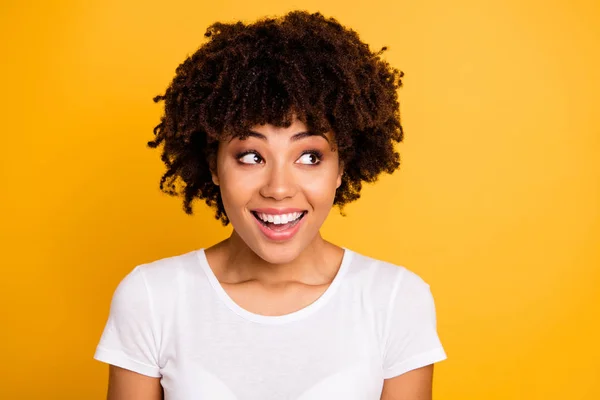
{"x": 280, "y": 218}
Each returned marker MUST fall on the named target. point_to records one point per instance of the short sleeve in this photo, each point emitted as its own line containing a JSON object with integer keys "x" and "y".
{"x": 411, "y": 334}
{"x": 129, "y": 340}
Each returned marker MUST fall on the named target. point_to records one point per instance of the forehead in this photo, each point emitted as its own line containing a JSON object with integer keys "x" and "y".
{"x": 269, "y": 129}
{"x": 296, "y": 132}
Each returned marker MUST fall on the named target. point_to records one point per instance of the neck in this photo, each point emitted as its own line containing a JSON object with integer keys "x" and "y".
{"x": 235, "y": 262}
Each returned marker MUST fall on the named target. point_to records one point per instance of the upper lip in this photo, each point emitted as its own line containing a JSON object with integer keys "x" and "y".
{"x": 277, "y": 211}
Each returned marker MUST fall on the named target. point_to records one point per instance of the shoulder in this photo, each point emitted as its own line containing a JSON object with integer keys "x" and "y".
{"x": 168, "y": 269}
{"x": 382, "y": 275}
{"x": 392, "y": 289}
{"x": 159, "y": 279}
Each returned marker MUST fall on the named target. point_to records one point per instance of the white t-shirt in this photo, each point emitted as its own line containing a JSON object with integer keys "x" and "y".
{"x": 172, "y": 319}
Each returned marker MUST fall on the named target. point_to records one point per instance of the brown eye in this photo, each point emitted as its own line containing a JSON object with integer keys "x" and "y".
{"x": 309, "y": 159}
{"x": 250, "y": 158}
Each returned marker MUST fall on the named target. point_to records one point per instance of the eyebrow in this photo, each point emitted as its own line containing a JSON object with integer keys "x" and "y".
{"x": 294, "y": 138}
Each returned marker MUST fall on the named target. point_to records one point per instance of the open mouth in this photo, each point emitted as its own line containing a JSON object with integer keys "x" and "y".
{"x": 281, "y": 222}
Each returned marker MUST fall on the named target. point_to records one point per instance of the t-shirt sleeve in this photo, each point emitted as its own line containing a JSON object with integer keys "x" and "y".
{"x": 412, "y": 340}
{"x": 129, "y": 338}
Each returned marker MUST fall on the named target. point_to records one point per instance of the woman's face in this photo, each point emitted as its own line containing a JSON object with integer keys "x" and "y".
{"x": 278, "y": 186}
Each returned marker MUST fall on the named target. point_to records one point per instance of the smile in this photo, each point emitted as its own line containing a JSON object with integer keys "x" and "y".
{"x": 279, "y": 226}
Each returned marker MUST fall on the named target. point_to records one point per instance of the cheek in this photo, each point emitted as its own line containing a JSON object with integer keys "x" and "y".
{"x": 320, "y": 190}
{"x": 236, "y": 190}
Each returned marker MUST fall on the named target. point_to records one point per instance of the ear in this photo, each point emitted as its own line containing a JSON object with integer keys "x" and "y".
{"x": 212, "y": 165}
{"x": 338, "y": 182}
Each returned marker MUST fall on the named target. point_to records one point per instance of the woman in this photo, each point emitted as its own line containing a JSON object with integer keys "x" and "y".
{"x": 271, "y": 124}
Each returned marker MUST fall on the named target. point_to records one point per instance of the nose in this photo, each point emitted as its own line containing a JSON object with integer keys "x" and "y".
{"x": 279, "y": 182}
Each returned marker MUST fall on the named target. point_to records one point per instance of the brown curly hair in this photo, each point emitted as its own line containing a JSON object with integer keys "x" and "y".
{"x": 302, "y": 65}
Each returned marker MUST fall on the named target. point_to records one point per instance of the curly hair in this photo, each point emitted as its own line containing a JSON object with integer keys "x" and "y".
{"x": 300, "y": 65}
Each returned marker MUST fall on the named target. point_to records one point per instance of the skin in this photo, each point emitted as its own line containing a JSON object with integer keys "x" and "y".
{"x": 282, "y": 173}
{"x": 275, "y": 277}
{"x": 128, "y": 385}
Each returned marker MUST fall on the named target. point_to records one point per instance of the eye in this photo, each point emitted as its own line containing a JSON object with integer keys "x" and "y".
{"x": 250, "y": 157}
{"x": 310, "y": 158}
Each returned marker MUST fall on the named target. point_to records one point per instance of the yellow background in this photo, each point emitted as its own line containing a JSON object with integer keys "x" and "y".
{"x": 496, "y": 205}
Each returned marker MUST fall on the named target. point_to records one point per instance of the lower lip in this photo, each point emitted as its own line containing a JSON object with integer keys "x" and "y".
{"x": 281, "y": 235}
